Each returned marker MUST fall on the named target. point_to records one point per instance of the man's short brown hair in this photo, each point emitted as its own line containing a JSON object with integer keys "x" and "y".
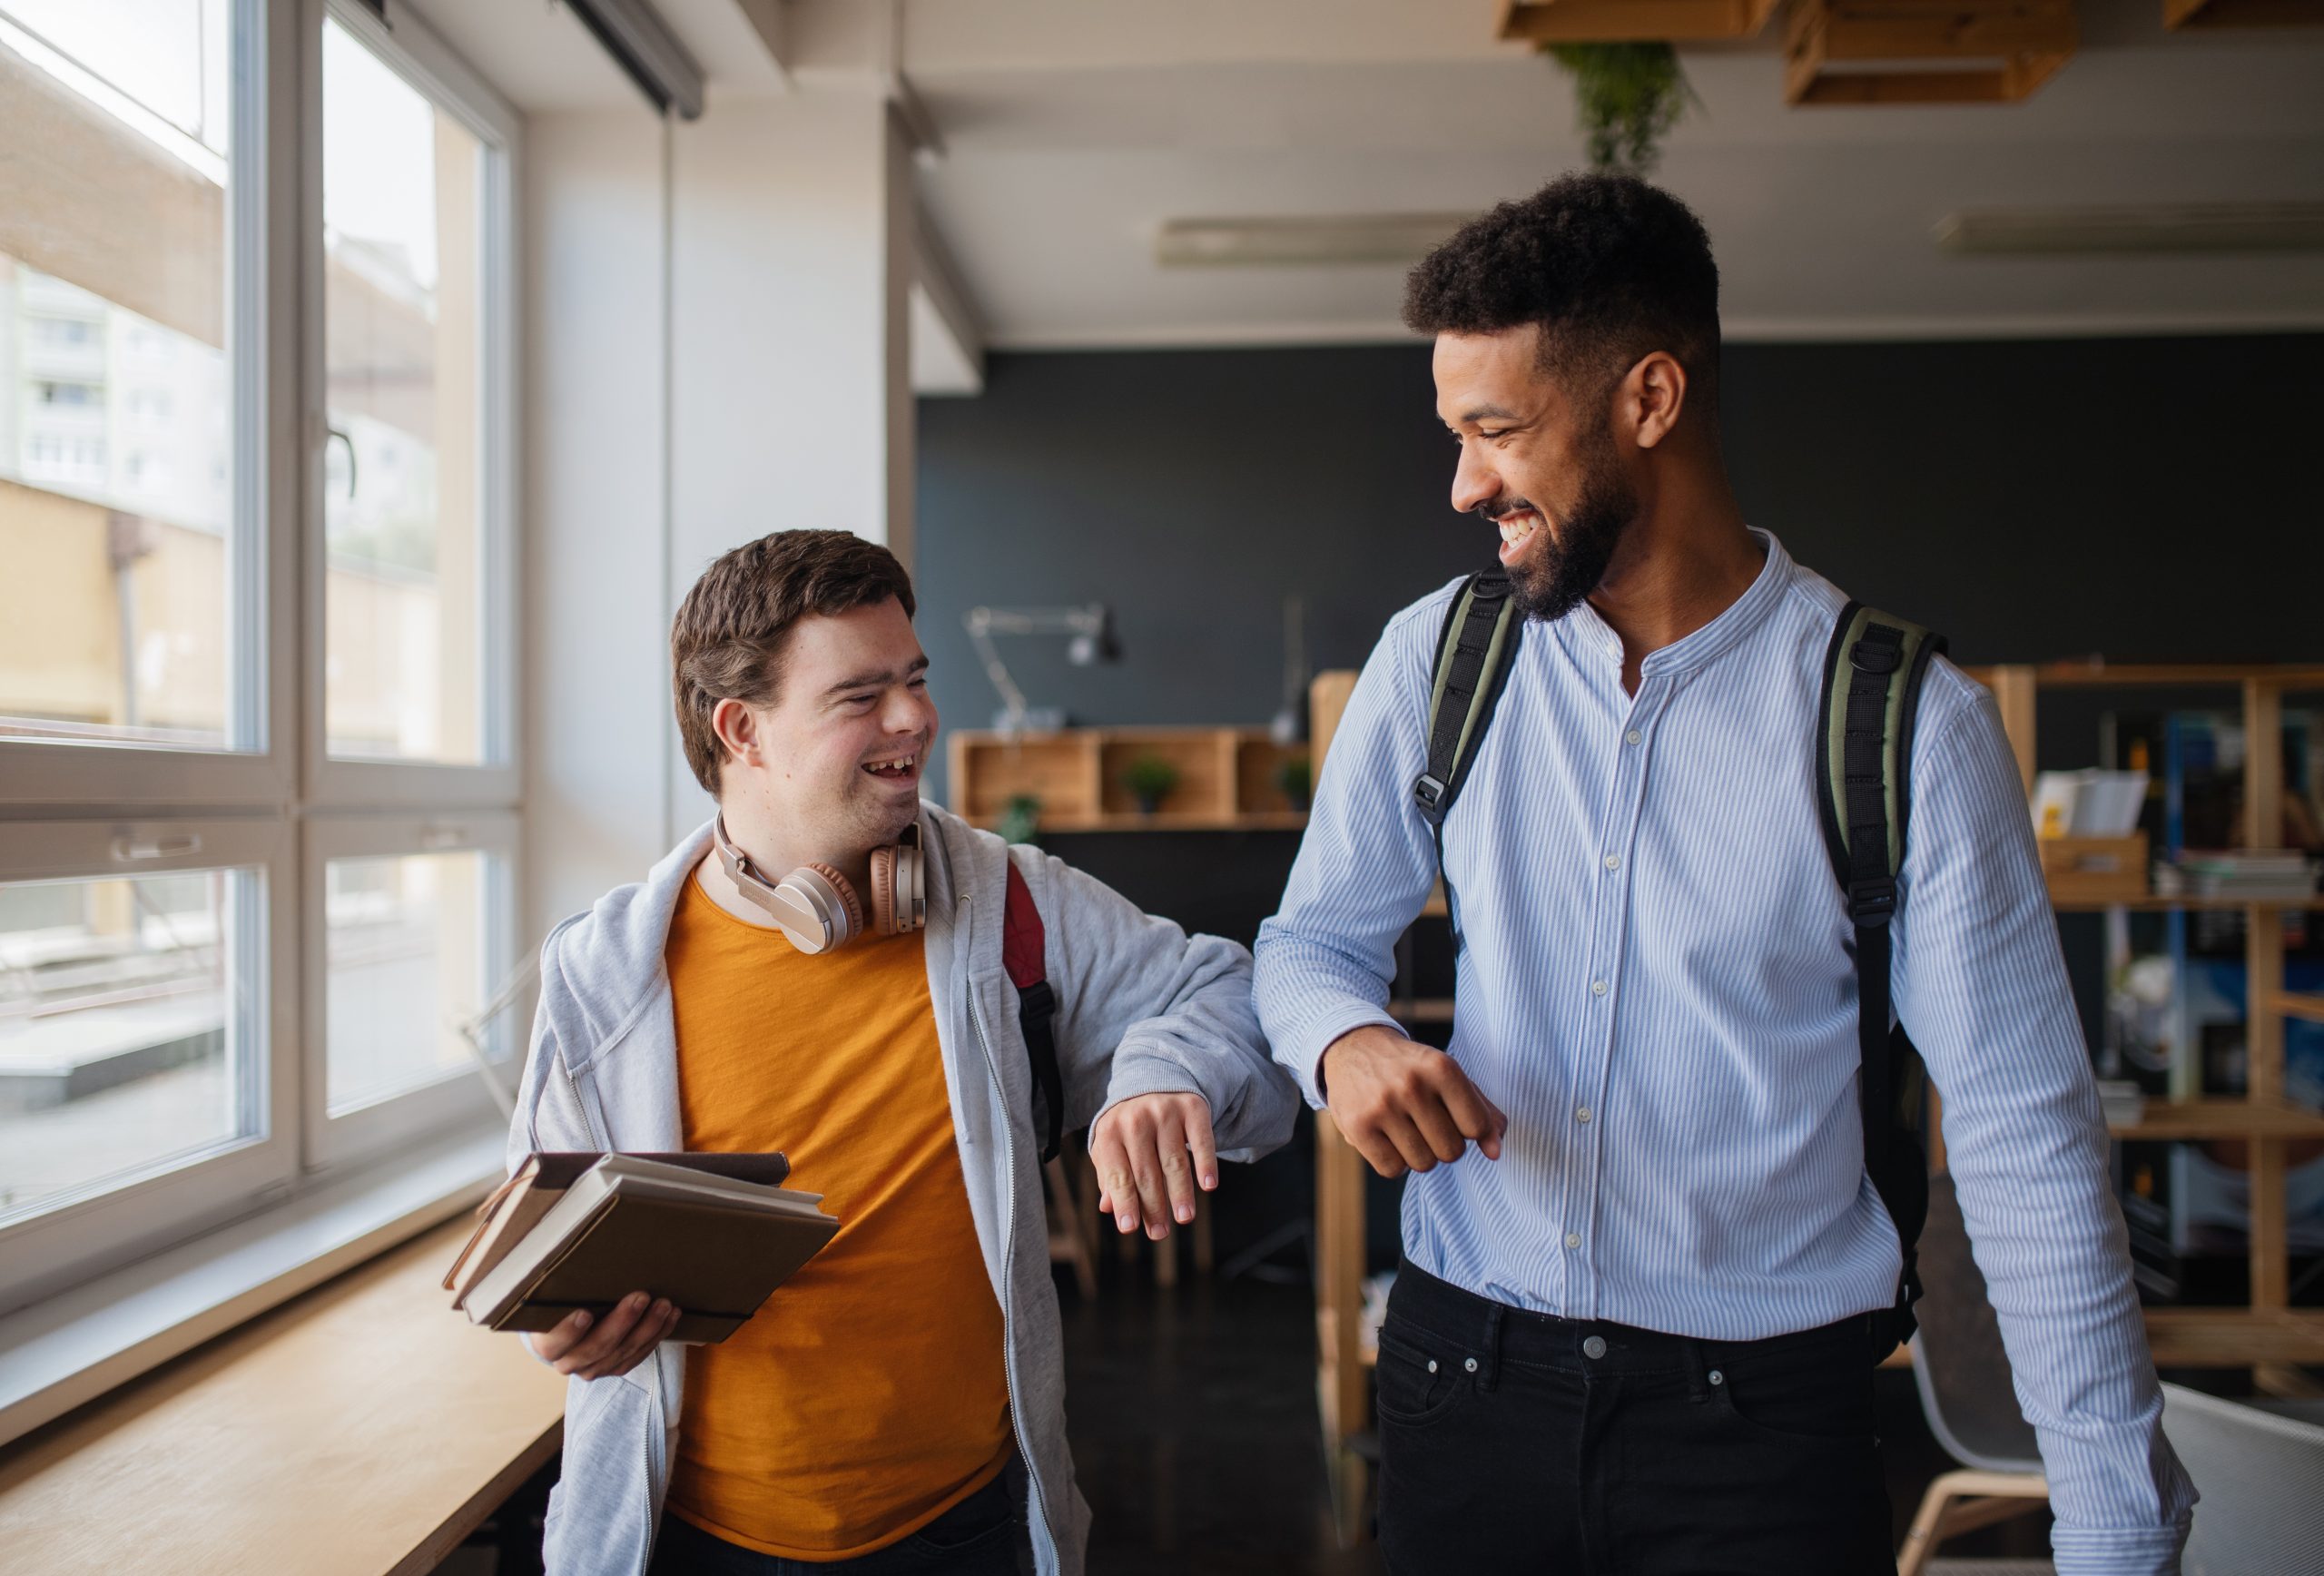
{"x": 727, "y": 641}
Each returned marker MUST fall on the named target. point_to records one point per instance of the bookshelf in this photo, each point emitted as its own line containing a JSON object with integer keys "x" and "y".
{"x": 1227, "y": 779}
{"x": 2266, "y": 1334}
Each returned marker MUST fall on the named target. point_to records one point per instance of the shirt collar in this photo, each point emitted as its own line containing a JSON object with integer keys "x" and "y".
{"x": 1713, "y": 640}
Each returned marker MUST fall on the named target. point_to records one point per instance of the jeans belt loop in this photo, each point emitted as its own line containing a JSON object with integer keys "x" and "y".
{"x": 1490, "y": 1363}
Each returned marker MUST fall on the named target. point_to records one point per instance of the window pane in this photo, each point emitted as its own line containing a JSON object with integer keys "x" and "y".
{"x": 403, "y": 345}
{"x": 116, "y": 381}
{"x": 122, "y": 1048}
{"x": 408, "y": 964}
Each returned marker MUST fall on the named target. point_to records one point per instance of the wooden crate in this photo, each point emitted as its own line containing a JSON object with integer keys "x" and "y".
{"x": 1924, "y": 52}
{"x": 1060, "y": 770}
{"x": 1204, "y": 758}
{"x": 2083, "y": 870}
{"x": 1258, "y": 763}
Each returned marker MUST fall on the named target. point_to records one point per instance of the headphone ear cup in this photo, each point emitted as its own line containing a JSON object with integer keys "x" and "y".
{"x": 883, "y": 891}
{"x": 825, "y": 893}
{"x": 911, "y": 889}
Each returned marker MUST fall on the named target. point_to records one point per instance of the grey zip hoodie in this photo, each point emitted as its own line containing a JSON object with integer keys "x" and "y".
{"x": 1143, "y": 1007}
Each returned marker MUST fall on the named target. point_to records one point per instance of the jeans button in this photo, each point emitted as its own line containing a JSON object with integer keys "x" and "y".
{"x": 1595, "y": 1346}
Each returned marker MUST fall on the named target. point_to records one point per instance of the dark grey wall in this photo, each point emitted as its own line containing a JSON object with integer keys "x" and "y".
{"x": 2152, "y": 499}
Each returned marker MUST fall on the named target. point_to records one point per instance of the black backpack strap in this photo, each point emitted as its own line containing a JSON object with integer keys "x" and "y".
{"x": 1473, "y": 661}
{"x": 1872, "y": 675}
{"x": 1024, "y": 947}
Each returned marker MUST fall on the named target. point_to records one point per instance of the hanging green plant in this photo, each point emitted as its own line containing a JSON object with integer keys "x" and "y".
{"x": 1627, "y": 97}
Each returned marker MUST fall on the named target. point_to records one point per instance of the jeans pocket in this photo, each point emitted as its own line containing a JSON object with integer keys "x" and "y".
{"x": 1820, "y": 1393}
{"x": 1419, "y": 1380}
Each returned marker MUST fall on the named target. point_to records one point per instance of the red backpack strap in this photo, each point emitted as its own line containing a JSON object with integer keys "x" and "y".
{"x": 1024, "y": 945}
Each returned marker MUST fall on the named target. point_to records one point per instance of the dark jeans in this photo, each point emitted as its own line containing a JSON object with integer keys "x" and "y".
{"x": 976, "y": 1537}
{"x": 1513, "y": 1442}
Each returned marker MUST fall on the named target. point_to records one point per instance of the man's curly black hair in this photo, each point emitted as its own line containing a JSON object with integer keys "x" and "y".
{"x": 1611, "y": 267}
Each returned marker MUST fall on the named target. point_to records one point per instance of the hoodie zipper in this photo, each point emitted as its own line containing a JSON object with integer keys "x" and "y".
{"x": 1009, "y": 1263}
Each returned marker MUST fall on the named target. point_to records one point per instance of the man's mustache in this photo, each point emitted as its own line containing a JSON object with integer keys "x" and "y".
{"x": 1496, "y": 509}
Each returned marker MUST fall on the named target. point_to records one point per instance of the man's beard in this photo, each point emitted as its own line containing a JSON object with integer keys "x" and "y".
{"x": 1572, "y": 563}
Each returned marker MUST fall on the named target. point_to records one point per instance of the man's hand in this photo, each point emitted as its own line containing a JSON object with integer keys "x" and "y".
{"x": 1151, "y": 1153}
{"x": 614, "y": 1343}
{"x": 1404, "y": 1106}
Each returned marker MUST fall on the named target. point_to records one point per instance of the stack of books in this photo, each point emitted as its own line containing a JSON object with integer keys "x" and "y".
{"x": 713, "y": 1234}
{"x": 2253, "y": 875}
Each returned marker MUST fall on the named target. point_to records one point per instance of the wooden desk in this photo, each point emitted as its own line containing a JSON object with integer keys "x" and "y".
{"x": 363, "y": 1429}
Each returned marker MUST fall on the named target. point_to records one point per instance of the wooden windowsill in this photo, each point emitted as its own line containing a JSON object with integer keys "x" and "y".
{"x": 360, "y": 1430}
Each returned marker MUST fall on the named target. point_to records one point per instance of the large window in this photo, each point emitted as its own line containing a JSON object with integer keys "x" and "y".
{"x": 257, "y": 787}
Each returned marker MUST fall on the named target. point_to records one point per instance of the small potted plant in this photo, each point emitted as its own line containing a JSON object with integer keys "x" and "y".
{"x": 1020, "y": 819}
{"x": 1150, "y": 780}
{"x": 1297, "y": 778}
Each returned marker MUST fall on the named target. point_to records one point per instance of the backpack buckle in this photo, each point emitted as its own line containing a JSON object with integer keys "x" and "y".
{"x": 1867, "y": 657}
{"x": 1429, "y": 790}
{"x": 1873, "y": 900}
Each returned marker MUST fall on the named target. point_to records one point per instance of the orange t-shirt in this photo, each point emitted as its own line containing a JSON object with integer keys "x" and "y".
{"x": 869, "y": 1395}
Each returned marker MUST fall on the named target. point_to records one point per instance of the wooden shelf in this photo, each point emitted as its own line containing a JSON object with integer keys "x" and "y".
{"x": 1227, "y": 779}
{"x": 2234, "y": 1337}
{"x": 1426, "y": 1009}
{"x": 2294, "y": 1005}
{"x": 2222, "y": 1118}
{"x": 2150, "y": 905}
{"x": 2151, "y": 675}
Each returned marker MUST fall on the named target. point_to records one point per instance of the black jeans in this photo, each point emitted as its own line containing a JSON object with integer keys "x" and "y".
{"x": 976, "y": 1537}
{"x": 1513, "y": 1442}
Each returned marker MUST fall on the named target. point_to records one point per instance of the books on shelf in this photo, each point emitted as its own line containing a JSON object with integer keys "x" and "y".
{"x": 2090, "y": 804}
{"x": 713, "y": 1234}
{"x": 2257, "y": 874}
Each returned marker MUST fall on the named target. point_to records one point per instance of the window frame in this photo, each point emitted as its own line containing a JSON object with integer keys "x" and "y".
{"x": 264, "y": 213}
{"x": 458, "y": 1098}
{"x": 166, "y": 1202}
{"x": 281, "y": 803}
{"x": 407, "y": 46}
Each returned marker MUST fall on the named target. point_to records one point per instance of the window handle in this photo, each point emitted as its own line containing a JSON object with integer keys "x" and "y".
{"x": 134, "y": 850}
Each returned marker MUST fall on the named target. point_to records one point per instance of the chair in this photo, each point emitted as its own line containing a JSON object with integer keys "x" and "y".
{"x": 1966, "y": 1394}
{"x": 2259, "y": 1468}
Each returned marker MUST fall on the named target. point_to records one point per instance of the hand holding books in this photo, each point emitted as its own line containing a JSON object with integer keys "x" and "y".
{"x": 605, "y": 1257}
{"x": 594, "y": 1349}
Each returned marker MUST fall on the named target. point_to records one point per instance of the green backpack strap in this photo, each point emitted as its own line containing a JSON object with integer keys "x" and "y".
{"x": 1480, "y": 633}
{"x": 1472, "y": 659}
{"x": 1873, "y": 674}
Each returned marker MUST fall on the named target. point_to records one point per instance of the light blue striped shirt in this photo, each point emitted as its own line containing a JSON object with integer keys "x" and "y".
{"x": 1655, "y": 983}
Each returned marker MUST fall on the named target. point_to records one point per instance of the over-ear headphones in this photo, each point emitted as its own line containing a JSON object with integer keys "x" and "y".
{"x": 816, "y": 907}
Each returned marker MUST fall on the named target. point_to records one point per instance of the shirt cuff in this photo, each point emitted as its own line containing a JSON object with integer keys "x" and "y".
{"x": 1304, "y": 1059}
{"x": 2118, "y": 1551}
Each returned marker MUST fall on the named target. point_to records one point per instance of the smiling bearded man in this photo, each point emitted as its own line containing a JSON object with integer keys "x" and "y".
{"x": 1635, "y": 1331}
{"x": 783, "y": 980}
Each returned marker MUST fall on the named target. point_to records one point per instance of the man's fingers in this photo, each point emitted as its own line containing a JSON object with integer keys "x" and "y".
{"x": 1153, "y": 1189}
{"x": 1201, "y": 1143}
{"x": 1436, "y": 1128}
{"x": 553, "y": 1343}
{"x": 1405, "y": 1137}
{"x": 610, "y": 1331}
{"x": 1105, "y": 1157}
{"x": 1476, "y": 1116}
{"x": 1374, "y": 1145}
{"x": 652, "y": 1327}
{"x": 1178, "y": 1170}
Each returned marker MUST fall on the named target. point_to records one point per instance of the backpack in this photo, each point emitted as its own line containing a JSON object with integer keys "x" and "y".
{"x": 1023, "y": 943}
{"x": 1873, "y": 674}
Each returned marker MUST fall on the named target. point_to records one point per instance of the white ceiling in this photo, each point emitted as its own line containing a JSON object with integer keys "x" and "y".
{"x": 1073, "y": 128}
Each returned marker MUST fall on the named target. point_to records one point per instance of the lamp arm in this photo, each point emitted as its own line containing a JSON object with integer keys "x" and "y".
{"x": 1012, "y": 697}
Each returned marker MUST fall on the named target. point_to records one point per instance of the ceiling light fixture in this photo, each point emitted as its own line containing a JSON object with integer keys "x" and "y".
{"x": 2165, "y": 227}
{"x": 1304, "y": 242}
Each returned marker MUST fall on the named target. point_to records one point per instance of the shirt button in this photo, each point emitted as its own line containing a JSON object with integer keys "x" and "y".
{"x": 1632, "y": 737}
{"x": 1613, "y": 862}
{"x": 1573, "y": 1239}
{"x": 1597, "y": 988}
{"x": 1582, "y": 1115}
{"x": 1595, "y": 1346}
